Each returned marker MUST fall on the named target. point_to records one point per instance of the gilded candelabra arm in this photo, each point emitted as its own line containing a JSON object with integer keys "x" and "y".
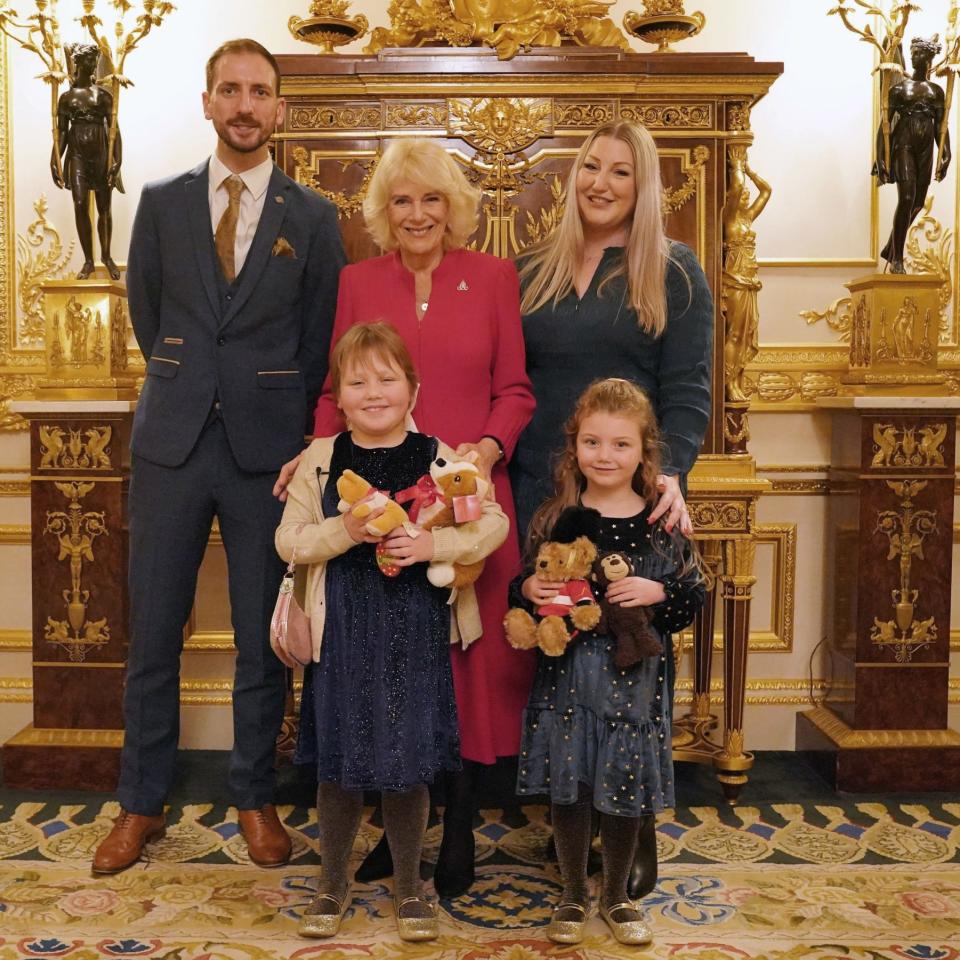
{"x": 948, "y": 67}
{"x": 891, "y": 62}
{"x": 40, "y": 34}
{"x": 152, "y": 16}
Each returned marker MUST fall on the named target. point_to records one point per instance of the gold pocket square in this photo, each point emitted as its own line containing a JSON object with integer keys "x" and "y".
{"x": 282, "y": 248}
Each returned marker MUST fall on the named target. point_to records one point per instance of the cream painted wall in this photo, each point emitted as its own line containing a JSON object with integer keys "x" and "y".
{"x": 813, "y": 143}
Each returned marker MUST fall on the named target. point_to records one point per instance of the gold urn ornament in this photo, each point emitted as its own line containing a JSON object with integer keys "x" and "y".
{"x": 663, "y": 22}
{"x": 328, "y": 25}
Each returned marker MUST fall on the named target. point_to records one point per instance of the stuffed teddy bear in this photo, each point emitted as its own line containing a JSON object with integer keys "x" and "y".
{"x": 567, "y": 556}
{"x": 357, "y": 496}
{"x": 451, "y": 494}
{"x": 629, "y": 625}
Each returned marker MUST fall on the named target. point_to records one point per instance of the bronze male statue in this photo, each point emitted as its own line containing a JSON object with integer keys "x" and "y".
{"x": 83, "y": 125}
{"x": 916, "y": 110}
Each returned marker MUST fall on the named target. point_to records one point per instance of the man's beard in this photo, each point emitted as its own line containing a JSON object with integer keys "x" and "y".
{"x": 225, "y": 133}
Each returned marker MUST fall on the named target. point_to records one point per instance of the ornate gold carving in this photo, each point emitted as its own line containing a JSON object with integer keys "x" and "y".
{"x": 673, "y": 200}
{"x": 324, "y": 117}
{"x": 936, "y": 259}
{"x": 717, "y": 514}
{"x": 736, "y": 429}
{"x": 416, "y": 115}
{"x": 500, "y": 125}
{"x": 119, "y": 360}
{"x": 906, "y": 530}
{"x": 75, "y": 531}
{"x": 732, "y": 745}
{"x": 40, "y": 256}
{"x": 546, "y": 222}
{"x": 740, "y": 281}
{"x": 669, "y": 115}
{"x": 583, "y": 114}
{"x": 307, "y": 172}
{"x": 838, "y": 316}
{"x": 850, "y": 738}
{"x": 738, "y": 115}
{"x": 75, "y": 453}
{"x": 895, "y": 447}
{"x": 907, "y": 343}
{"x": 328, "y": 25}
{"x": 506, "y": 25}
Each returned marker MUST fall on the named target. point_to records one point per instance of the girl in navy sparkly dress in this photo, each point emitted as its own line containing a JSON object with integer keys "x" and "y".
{"x": 378, "y": 709}
{"x": 595, "y": 735}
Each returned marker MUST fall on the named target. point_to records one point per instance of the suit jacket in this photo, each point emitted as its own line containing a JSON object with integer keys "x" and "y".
{"x": 259, "y": 348}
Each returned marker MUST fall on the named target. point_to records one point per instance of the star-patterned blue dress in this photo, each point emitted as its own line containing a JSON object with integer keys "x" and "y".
{"x": 587, "y": 721}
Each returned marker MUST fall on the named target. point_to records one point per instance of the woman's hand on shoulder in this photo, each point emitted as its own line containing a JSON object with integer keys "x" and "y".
{"x": 488, "y": 453}
{"x": 671, "y": 504}
{"x": 286, "y": 475}
{"x": 406, "y": 550}
{"x": 538, "y": 591}
{"x": 636, "y": 592}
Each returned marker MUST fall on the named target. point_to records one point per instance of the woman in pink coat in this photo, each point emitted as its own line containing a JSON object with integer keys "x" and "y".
{"x": 458, "y": 312}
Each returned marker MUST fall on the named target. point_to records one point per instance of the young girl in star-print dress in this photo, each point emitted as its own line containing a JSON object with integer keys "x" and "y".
{"x": 594, "y": 735}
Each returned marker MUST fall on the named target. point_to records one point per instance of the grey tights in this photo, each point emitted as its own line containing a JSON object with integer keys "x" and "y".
{"x": 338, "y": 820}
{"x": 573, "y": 832}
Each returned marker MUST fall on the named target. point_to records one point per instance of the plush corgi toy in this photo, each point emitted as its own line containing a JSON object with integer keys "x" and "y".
{"x": 357, "y": 496}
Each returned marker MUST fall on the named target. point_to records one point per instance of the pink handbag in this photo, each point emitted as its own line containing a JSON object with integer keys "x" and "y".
{"x": 290, "y": 626}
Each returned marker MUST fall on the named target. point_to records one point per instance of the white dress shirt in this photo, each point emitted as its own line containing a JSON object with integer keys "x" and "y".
{"x": 255, "y": 182}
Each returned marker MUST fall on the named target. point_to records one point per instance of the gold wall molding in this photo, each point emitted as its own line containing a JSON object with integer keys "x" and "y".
{"x": 15, "y": 534}
{"x": 218, "y": 692}
{"x": 16, "y": 690}
{"x": 15, "y": 640}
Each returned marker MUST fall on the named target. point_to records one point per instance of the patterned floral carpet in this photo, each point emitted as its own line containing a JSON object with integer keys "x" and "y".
{"x": 867, "y": 881}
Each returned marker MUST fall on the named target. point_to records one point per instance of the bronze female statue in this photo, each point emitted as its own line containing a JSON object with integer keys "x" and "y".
{"x": 83, "y": 123}
{"x": 916, "y": 109}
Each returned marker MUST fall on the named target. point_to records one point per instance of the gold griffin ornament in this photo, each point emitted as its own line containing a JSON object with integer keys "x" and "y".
{"x": 508, "y": 26}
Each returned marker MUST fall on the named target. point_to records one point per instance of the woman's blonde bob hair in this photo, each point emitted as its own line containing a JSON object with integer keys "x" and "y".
{"x": 549, "y": 267}
{"x": 428, "y": 165}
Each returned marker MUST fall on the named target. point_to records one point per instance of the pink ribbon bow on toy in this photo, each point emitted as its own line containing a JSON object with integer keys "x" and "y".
{"x": 423, "y": 494}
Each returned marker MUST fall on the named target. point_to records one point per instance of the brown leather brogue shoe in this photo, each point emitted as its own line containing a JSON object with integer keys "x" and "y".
{"x": 124, "y": 843}
{"x": 269, "y": 844}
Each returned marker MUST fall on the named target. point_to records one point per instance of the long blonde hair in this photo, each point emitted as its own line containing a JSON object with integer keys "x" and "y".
{"x": 620, "y": 398}
{"x": 549, "y": 267}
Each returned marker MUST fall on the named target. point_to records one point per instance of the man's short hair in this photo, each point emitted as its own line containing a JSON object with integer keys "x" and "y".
{"x": 242, "y": 45}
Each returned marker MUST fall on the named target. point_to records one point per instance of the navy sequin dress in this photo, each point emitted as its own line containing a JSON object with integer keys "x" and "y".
{"x": 378, "y": 709}
{"x": 589, "y": 722}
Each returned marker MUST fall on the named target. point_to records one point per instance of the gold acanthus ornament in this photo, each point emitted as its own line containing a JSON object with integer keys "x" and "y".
{"x": 906, "y": 530}
{"x": 75, "y": 531}
{"x": 508, "y": 26}
{"x": 40, "y": 256}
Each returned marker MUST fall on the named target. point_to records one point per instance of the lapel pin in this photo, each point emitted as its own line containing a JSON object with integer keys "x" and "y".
{"x": 462, "y": 285}
{"x": 278, "y": 199}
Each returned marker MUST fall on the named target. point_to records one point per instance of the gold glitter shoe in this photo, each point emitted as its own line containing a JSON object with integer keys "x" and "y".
{"x": 633, "y": 933}
{"x": 567, "y": 931}
{"x": 322, "y": 924}
{"x": 414, "y": 929}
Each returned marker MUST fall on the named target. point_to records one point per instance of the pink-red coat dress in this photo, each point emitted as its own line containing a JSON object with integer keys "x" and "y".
{"x": 468, "y": 351}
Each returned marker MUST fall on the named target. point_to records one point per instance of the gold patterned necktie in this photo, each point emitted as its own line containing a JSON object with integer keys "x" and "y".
{"x": 226, "y": 236}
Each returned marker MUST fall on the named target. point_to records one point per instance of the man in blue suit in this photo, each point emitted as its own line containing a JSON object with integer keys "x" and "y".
{"x": 232, "y": 282}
